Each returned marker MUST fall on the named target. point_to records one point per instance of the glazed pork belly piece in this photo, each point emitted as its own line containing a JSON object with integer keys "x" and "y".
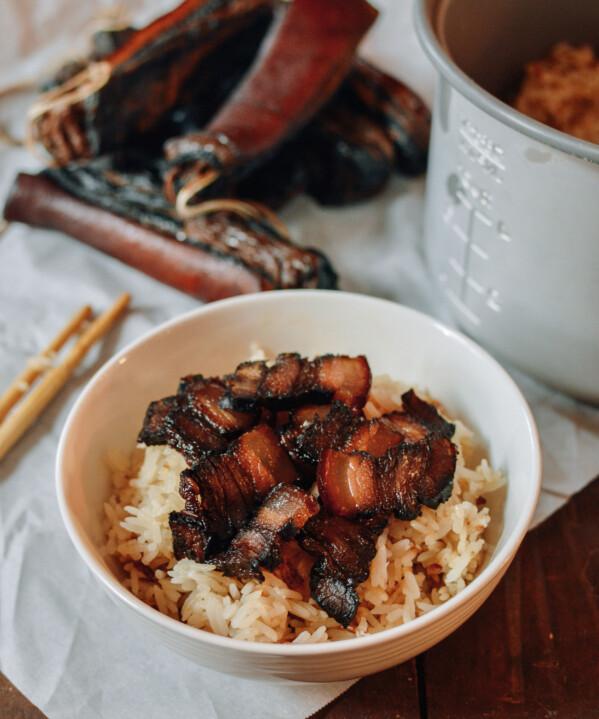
{"x": 342, "y": 429}
{"x": 356, "y": 484}
{"x": 425, "y": 414}
{"x": 300, "y": 419}
{"x": 344, "y": 550}
{"x": 283, "y": 513}
{"x": 294, "y": 380}
{"x": 193, "y": 421}
{"x": 222, "y": 491}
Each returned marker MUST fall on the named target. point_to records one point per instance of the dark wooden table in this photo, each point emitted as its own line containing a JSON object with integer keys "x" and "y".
{"x": 530, "y": 652}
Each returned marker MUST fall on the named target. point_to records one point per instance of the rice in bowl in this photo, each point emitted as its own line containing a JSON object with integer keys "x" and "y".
{"x": 419, "y": 564}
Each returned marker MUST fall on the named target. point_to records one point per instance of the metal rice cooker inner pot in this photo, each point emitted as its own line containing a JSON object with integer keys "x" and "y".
{"x": 512, "y": 206}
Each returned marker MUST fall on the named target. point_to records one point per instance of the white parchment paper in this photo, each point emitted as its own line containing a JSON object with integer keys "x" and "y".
{"x": 62, "y": 641}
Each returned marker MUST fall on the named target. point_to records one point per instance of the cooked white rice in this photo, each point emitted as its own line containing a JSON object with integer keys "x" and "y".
{"x": 418, "y": 566}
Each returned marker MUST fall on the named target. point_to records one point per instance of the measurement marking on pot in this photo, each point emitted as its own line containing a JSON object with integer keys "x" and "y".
{"x": 469, "y": 214}
{"x": 480, "y": 148}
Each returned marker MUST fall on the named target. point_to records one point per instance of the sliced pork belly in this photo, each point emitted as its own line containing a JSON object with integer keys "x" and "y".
{"x": 343, "y": 429}
{"x": 261, "y": 457}
{"x": 356, "y": 484}
{"x": 203, "y": 396}
{"x": 404, "y": 424}
{"x": 221, "y": 491}
{"x": 243, "y": 386}
{"x": 192, "y": 421}
{"x": 426, "y": 414}
{"x": 298, "y": 420}
{"x": 281, "y": 380}
{"x": 344, "y": 550}
{"x": 349, "y": 484}
{"x": 374, "y": 437}
{"x": 282, "y": 514}
{"x": 330, "y": 431}
{"x": 189, "y": 536}
{"x": 293, "y": 380}
{"x": 242, "y": 499}
{"x": 189, "y": 434}
{"x": 436, "y": 484}
{"x": 416, "y": 419}
{"x": 341, "y": 378}
{"x": 153, "y": 430}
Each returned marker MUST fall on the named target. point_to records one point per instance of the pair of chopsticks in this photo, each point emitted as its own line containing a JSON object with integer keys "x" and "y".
{"x": 13, "y": 424}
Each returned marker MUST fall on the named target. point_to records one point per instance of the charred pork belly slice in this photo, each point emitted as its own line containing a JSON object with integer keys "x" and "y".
{"x": 243, "y": 386}
{"x": 332, "y": 431}
{"x": 437, "y": 483}
{"x": 192, "y": 436}
{"x": 222, "y": 491}
{"x": 203, "y": 397}
{"x": 417, "y": 419}
{"x": 192, "y": 421}
{"x": 374, "y": 437}
{"x": 261, "y": 457}
{"x": 282, "y": 514}
{"x": 426, "y": 414}
{"x": 347, "y": 379}
{"x": 189, "y": 536}
{"x": 293, "y": 380}
{"x": 298, "y": 420}
{"x": 344, "y": 550}
{"x": 153, "y": 430}
{"x": 281, "y": 379}
{"x": 348, "y": 483}
{"x": 404, "y": 424}
{"x": 356, "y": 484}
{"x": 343, "y": 429}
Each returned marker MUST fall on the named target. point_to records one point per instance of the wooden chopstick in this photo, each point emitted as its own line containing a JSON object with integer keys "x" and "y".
{"x": 21, "y": 384}
{"x": 15, "y": 425}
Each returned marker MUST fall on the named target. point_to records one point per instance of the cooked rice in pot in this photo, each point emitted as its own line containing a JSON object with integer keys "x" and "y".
{"x": 562, "y": 90}
{"x": 418, "y": 566}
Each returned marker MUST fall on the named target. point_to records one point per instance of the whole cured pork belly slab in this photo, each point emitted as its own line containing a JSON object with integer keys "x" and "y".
{"x": 148, "y": 74}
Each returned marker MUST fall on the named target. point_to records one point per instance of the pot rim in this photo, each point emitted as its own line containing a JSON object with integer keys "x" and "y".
{"x": 487, "y": 102}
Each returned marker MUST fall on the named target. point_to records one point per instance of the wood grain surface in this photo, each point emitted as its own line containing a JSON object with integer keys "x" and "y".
{"x": 530, "y": 652}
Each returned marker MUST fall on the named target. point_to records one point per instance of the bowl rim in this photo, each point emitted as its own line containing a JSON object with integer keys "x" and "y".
{"x": 495, "y": 568}
{"x": 487, "y": 102}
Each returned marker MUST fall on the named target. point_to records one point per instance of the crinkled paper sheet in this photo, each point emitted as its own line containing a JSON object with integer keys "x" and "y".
{"x": 62, "y": 641}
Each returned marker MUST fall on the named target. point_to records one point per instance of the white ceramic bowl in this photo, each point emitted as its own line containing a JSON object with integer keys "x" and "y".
{"x": 212, "y": 340}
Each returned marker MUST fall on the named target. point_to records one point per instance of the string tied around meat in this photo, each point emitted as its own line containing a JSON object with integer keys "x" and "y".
{"x": 182, "y": 203}
{"x": 245, "y": 208}
{"x": 73, "y": 91}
